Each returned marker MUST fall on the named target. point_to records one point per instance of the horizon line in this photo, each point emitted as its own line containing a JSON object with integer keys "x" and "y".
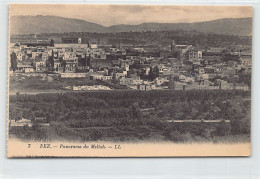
{"x": 133, "y": 24}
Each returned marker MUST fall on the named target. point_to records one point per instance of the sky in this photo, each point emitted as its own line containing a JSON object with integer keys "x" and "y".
{"x": 108, "y": 15}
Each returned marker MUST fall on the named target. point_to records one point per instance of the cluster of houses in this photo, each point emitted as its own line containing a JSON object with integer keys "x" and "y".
{"x": 179, "y": 67}
{"x": 93, "y": 87}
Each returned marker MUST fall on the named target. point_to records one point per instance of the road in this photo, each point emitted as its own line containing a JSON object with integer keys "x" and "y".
{"x": 34, "y": 92}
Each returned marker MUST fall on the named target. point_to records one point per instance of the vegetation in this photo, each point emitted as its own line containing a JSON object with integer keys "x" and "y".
{"x": 133, "y": 115}
{"x": 50, "y": 63}
{"x": 13, "y": 61}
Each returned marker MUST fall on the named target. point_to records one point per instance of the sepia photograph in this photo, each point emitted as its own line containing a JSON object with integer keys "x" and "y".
{"x": 88, "y": 80}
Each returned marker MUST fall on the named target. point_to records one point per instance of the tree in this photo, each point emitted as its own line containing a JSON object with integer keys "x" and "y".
{"x": 176, "y": 54}
{"x": 223, "y": 129}
{"x": 60, "y": 59}
{"x": 241, "y": 125}
{"x": 88, "y": 61}
{"x": 135, "y": 112}
{"x": 50, "y": 62}
{"x": 154, "y": 73}
{"x": 13, "y": 61}
{"x": 63, "y": 64}
{"x": 82, "y": 61}
{"x": 52, "y": 43}
{"x": 245, "y": 78}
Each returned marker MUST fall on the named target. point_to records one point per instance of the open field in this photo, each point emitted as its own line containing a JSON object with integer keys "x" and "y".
{"x": 36, "y": 83}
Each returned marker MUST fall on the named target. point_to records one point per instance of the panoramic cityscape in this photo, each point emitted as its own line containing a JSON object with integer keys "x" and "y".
{"x": 177, "y": 82}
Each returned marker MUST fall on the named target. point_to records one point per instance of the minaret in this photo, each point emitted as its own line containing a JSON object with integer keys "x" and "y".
{"x": 173, "y": 45}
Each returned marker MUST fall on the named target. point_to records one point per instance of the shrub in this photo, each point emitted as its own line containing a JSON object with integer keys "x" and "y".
{"x": 95, "y": 134}
{"x": 223, "y": 129}
{"x": 179, "y": 137}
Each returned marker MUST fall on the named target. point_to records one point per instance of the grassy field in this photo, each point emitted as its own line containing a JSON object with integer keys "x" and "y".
{"x": 22, "y": 83}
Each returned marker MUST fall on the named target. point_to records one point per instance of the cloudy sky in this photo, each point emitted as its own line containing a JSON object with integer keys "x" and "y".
{"x": 108, "y": 15}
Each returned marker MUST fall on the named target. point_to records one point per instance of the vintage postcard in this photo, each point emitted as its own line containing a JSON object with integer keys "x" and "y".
{"x": 129, "y": 80}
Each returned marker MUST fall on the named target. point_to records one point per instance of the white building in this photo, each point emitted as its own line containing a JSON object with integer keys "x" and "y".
{"x": 73, "y": 75}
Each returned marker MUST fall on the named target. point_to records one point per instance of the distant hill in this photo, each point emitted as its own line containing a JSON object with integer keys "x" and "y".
{"x": 50, "y": 24}
{"x": 54, "y": 24}
{"x": 236, "y": 26}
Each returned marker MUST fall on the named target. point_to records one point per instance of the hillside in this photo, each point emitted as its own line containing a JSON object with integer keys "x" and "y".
{"x": 54, "y": 24}
{"x": 240, "y": 26}
{"x": 50, "y": 24}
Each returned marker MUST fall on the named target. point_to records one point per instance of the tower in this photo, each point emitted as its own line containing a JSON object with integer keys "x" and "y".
{"x": 173, "y": 46}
